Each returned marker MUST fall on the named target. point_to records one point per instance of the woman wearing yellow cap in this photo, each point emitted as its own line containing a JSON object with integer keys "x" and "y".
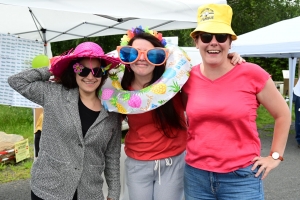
{"x": 223, "y": 159}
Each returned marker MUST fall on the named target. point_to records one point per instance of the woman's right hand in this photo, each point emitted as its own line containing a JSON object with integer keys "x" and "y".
{"x": 266, "y": 164}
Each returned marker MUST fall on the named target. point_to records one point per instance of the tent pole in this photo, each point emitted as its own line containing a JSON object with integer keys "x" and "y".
{"x": 292, "y": 69}
{"x": 44, "y": 40}
{"x": 298, "y": 68}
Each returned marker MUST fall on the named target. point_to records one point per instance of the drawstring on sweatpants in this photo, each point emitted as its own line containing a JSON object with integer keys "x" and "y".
{"x": 169, "y": 162}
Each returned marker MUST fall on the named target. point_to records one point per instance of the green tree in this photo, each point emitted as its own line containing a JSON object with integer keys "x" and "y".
{"x": 108, "y": 43}
{"x": 184, "y": 39}
{"x": 249, "y": 15}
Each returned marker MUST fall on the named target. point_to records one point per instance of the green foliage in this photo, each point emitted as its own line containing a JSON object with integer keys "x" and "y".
{"x": 250, "y": 15}
{"x": 273, "y": 66}
{"x": 15, "y": 171}
{"x": 15, "y": 120}
{"x": 108, "y": 44}
{"x": 265, "y": 122}
{"x": 2, "y": 166}
{"x": 263, "y": 117}
{"x": 184, "y": 39}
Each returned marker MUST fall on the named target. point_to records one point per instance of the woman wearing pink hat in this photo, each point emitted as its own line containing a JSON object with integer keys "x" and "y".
{"x": 80, "y": 140}
{"x": 223, "y": 148}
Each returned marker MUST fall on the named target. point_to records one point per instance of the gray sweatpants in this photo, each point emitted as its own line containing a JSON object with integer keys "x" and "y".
{"x": 155, "y": 179}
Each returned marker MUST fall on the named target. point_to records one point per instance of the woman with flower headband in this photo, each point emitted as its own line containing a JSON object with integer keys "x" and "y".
{"x": 223, "y": 159}
{"x": 80, "y": 138}
{"x": 156, "y": 140}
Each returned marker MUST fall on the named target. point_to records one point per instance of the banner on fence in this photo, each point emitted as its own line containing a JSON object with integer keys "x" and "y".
{"x": 16, "y": 55}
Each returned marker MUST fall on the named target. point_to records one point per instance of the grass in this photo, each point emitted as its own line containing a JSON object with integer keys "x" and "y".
{"x": 16, "y": 120}
{"x": 264, "y": 118}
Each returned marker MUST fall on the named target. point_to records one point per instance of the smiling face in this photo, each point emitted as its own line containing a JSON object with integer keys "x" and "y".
{"x": 141, "y": 67}
{"x": 88, "y": 84}
{"x": 213, "y": 53}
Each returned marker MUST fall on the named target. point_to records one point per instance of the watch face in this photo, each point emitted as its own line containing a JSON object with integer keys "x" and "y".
{"x": 275, "y": 155}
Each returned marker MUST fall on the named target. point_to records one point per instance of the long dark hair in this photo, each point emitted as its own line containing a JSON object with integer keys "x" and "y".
{"x": 164, "y": 116}
{"x": 68, "y": 77}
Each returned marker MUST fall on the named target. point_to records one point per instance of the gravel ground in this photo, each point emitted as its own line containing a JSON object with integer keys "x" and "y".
{"x": 283, "y": 183}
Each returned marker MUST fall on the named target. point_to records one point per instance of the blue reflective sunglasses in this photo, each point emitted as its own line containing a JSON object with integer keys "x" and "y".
{"x": 156, "y": 56}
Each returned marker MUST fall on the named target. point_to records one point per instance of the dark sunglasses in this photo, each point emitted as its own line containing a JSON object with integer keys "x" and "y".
{"x": 156, "y": 56}
{"x": 207, "y": 37}
{"x": 83, "y": 71}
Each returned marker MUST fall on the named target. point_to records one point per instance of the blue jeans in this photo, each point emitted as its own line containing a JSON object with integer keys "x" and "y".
{"x": 237, "y": 185}
{"x": 296, "y": 100}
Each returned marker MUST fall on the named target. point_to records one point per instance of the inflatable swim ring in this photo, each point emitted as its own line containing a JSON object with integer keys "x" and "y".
{"x": 115, "y": 99}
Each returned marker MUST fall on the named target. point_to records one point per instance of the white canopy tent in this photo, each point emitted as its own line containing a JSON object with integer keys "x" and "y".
{"x": 173, "y": 10}
{"x": 278, "y": 40}
{"x": 56, "y": 20}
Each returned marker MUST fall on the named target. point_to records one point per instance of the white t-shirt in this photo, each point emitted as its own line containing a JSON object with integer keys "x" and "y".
{"x": 296, "y": 89}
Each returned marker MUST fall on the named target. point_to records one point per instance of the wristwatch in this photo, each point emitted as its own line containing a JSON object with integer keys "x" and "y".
{"x": 275, "y": 155}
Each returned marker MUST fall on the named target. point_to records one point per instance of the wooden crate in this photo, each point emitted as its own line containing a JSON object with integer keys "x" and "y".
{"x": 286, "y": 86}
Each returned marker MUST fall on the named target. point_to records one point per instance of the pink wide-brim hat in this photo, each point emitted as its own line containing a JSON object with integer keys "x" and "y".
{"x": 83, "y": 50}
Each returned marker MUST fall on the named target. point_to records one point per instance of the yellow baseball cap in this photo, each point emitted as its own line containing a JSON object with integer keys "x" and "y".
{"x": 214, "y": 18}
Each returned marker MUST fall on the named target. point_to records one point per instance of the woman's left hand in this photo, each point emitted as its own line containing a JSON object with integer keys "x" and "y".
{"x": 266, "y": 164}
{"x": 236, "y": 58}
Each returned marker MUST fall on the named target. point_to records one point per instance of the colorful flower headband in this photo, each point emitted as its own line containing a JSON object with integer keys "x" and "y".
{"x": 135, "y": 31}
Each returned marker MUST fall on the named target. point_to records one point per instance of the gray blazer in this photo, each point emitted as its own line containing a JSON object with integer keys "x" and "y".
{"x": 66, "y": 160}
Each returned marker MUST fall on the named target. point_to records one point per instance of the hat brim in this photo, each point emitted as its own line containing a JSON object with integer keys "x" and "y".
{"x": 214, "y": 28}
{"x": 62, "y": 62}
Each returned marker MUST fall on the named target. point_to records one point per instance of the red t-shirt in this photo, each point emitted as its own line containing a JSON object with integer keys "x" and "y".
{"x": 222, "y": 133}
{"x": 145, "y": 142}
